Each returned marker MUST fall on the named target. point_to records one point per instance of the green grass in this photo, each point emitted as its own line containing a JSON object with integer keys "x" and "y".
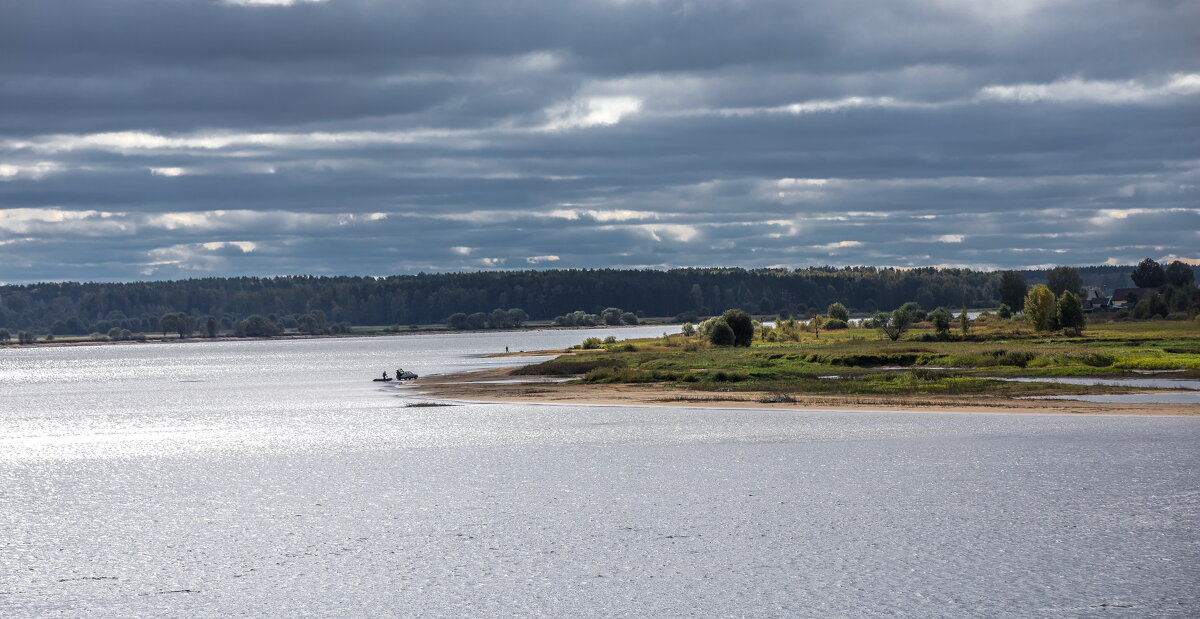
{"x": 867, "y": 363}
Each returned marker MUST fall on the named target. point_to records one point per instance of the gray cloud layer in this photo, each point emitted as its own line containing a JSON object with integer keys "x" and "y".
{"x": 176, "y": 138}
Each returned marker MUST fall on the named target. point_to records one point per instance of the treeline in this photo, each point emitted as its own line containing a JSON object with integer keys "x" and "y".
{"x": 82, "y": 308}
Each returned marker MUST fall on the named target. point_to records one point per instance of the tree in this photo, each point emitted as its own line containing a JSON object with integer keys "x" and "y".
{"x": 1039, "y": 308}
{"x": 115, "y": 334}
{"x": 1069, "y": 312}
{"x": 1004, "y": 311}
{"x": 517, "y": 317}
{"x": 721, "y": 333}
{"x": 964, "y": 322}
{"x": 257, "y": 326}
{"x": 895, "y": 324}
{"x": 177, "y": 322}
{"x": 611, "y": 316}
{"x": 477, "y": 321}
{"x": 815, "y": 323}
{"x": 1061, "y": 279}
{"x": 321, "y": 320}
{"x": 1013, "y": 289}
{"x": 307, "y": 323}
{"x": 838, "y": 311}
{"x": 914, "y": 310}
{"x": 941, "y": 318}
{"x": 498, "y": 319}
{"x": 1150, "y": 306}
{"x": 1148, "y": 274}
{"x": 1180, "y": 274}
{"x": 629, "y": 318}
{"x": 211, "y": 326}
{"x": 687, "y": 329}
{"x": 742, "y": 325}
{"x": 4, "y": 336}
{"x": 457, "y": 321}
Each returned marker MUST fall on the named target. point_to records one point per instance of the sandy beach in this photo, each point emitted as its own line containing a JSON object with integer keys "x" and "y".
{"x": 497, "y": 385}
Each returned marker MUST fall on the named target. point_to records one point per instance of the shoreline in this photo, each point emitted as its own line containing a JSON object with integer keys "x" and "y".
{"x": 498, "y": 386}
{"x": 170, "y": 339}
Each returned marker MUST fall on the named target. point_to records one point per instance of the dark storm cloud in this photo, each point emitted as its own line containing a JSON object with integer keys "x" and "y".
{"x": 174, "y": 138}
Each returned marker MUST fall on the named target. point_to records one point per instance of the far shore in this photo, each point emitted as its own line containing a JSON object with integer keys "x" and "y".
{"x": 497, "y": 385}
{"x": 367, "y": 332}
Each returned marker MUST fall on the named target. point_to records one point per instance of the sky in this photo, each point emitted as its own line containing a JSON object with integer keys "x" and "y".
{"x": 167, "y": 139}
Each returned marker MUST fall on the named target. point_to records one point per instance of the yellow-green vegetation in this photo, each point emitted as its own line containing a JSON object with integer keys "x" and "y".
{"x": 863, "y": 361}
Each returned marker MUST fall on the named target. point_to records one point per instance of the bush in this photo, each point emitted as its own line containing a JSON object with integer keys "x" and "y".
{"x": 1039, "y": 308}
{"x": 721, "y": 334}
{"x": 941, "y": 318}
{"x": 895, "y": 324}
{"x": 741, "y": 324}
{"x": 686, "y": 317}
{"x": 837, "y": 311}
{"x": 591, "y": 343}
{"x": 1069, "y": 313}
{"x": 1015, "y": 358}
{"x": 256, "y": 326}
{"x": 1004, "y": 311}
{"x": 833, "y": 324}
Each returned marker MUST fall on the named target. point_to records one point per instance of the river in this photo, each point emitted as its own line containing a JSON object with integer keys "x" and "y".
{"x": 272, "y": 478}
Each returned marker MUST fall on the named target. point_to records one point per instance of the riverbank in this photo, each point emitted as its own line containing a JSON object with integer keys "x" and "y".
{"x": 360, "y": 332}
{"x": 499, "y": 385}
{"x": 1000, "y": 369}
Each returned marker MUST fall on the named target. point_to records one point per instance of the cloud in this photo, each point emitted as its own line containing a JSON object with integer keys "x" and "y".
{"x": 267, "y": 2}
{"x": 356, "y": 136}
{"x": 36, "y": 170}
{"x": 591, "y": 112}
{"x": 1096, "y": 91}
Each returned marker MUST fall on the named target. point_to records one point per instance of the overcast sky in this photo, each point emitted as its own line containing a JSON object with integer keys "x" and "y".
{"x": 162, "y": 139}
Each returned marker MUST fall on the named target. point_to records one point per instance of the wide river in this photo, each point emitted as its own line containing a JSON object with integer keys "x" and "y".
{"x": 273, "y": 479}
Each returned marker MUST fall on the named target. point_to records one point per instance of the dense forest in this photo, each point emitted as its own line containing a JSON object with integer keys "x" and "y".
{"x": 82, "y": 308}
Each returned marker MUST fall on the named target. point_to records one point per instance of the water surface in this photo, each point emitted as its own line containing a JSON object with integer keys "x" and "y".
{"x": 284, "y": 483}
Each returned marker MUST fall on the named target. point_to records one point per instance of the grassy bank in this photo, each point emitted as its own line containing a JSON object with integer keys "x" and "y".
{"x": 863, "y": 362}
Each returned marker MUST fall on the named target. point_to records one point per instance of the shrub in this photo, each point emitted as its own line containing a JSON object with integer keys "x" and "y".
{"x": 1039, "y": 308}
{"x": 837, "y": 311}
{"x": 1069, "y": 313}
{"x": 940, "y": 318}
{"x": 591, "y": 343}
{"x": 722, "y": 334}
{"x": 686, "y": 317}
{"x": 742, "y": 325}
{"x": 897, "y": 323}
{"x": 834, "y": 324}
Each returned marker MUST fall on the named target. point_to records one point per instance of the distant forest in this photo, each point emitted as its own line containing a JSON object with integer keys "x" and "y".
{"x": 81, "y": 308}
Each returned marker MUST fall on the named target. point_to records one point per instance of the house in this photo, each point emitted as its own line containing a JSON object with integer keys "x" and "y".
{"x": 1092, "y": 300}
{"x": 1128, "y": 297}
